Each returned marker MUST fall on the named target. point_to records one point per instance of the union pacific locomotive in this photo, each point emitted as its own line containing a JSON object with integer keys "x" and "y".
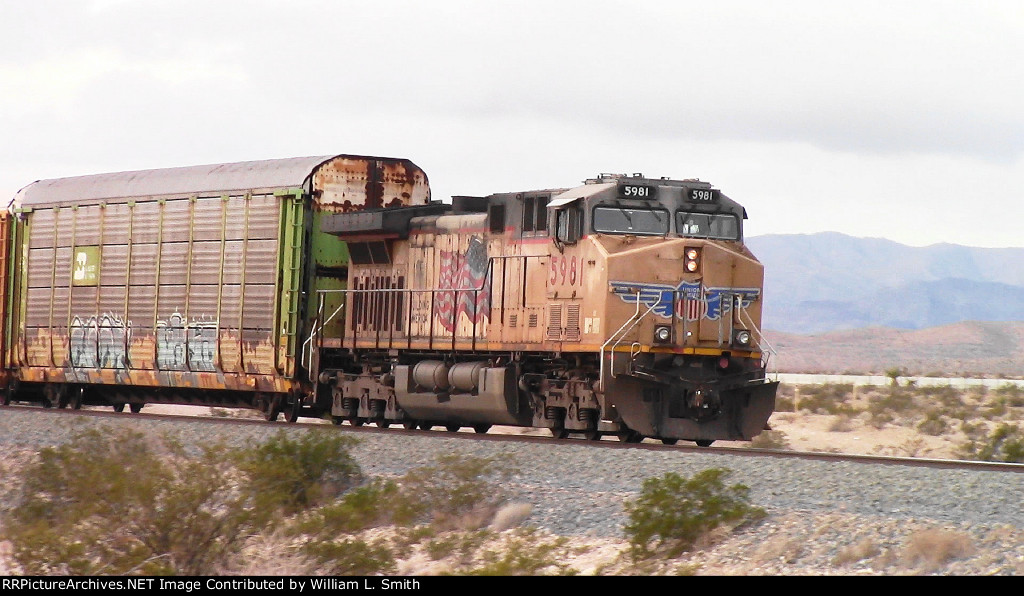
{"x": 335, "y": 287}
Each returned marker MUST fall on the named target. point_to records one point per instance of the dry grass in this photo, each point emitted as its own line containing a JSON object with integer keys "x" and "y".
{"x": 865, "y": 549}
{"x": 932, "y": 548}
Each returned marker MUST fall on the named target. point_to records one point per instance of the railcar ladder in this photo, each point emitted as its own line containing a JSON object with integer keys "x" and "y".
{"x": 291, "y": 270}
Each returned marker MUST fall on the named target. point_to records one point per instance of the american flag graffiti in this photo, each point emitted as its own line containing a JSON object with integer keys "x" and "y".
{"x": 691, "y": 300}
{"x": 469, "y": 274}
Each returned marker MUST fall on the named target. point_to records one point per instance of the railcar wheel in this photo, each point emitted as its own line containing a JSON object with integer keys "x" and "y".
{"x": 6, "y": 398}
{"x": 383, "y": 423}
{"x": 118, "y": 407}
{"x": 453, "y": 428}
{"x": 559, "y": 433}
{"x": 481, "y": 429}
{"x": 410, "y": 424}
{"x": 704, "y": 442}
{"x": 426, "y": 425}
{"x": 671, "y": 441}
{"x": 592, "y": 435}
{"x": 356, "y": 421}
{"x": 75, "y": 399}
{"x": 337, "y": 420}
{"x": 135, "y": 408}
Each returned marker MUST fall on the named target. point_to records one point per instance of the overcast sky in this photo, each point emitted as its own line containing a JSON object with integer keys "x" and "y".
{"x": 902, "y": 120}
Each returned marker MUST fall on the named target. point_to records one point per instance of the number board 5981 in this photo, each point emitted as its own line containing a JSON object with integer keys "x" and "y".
{"x": 637, "y": 191}
{"x": 704, "y": 195}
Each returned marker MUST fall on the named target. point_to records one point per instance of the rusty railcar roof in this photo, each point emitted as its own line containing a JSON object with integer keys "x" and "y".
{"x": 247, "y": 176}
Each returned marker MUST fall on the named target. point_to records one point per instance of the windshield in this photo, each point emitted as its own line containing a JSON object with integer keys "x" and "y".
{"x": 719, "y": 226}
{"x": 615, "y": 220}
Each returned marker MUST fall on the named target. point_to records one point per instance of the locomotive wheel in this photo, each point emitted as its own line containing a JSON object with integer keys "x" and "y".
{"x": 559, "y": 433}
{"x": 481, "y": 429}
{"x": 410, "y": 424}
{"x": 453, "y": 428}
{"x": 135, "y": 408}
{"x": 630, "y": 436}
{"x": 704, "y": 442}
{"x": 671, "y": 441}
{"x": 292, "y": 412}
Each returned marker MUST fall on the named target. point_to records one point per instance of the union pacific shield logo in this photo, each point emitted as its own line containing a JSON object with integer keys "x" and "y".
{"x": 688, "y": 300}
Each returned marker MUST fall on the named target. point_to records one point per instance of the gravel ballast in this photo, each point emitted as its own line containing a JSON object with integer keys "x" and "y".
{"x": 578, "y": 490}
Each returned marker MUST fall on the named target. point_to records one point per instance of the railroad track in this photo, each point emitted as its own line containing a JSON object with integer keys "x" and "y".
{"x": 532, "y": 436}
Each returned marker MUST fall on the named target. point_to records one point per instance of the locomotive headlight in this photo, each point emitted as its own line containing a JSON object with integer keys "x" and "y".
{"x": 662, "y": 334}
{"x": 692, "y": 259}
{"x": 741, "y": 337}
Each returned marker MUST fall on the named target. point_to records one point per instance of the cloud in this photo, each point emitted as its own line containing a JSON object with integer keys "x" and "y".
{"x": 790, "y": 103}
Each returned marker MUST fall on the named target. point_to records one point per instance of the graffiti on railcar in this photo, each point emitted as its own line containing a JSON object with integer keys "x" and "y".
{"x": 186, "y": 345}
{"x": 100, "y": 342}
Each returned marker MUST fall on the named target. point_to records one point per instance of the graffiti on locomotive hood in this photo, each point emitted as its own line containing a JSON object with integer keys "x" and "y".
{"x": 689, "y": 300}
{"x": 468, "y": 273}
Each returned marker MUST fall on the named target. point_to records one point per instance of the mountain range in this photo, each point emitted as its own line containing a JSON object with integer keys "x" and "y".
{"x": 836, "y": 304}
{"x": 825, "y": 282}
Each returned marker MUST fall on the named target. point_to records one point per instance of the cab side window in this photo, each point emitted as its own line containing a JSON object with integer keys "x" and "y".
{"x": 542, "y": 215}
{"x": 570, "y": 225}
{"x": 529, "y": 217}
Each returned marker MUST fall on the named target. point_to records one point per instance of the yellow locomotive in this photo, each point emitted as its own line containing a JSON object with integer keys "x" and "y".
{"x": 627, "y": 306}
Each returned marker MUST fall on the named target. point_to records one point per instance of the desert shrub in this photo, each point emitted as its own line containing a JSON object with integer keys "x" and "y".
{"x": 116, "y": 502}
{"x": 674, "y": 511}
{"x": 1012, "y": 393}
{"x": 524, "y": 553}
{"x": 458, "y": 491}
{"x": 290, "y": 474}
{"x": 894, "y": 375}
{"x": 784, "y": 403}
{"x": 933, "y": 424}
{"x": 884, "y": 408}
{"x": 374, "y": 504}
{"x": 770, "y": 439}
{"x": 841, "y": 424}
{"x": 861, "y": 550}
{"x": 828, "y": 398}
{"x": 1004, "y": 444}
{"x": 351, "y": 556}
{"x": 462, "y": 545}
{"x": 934, "y": 547}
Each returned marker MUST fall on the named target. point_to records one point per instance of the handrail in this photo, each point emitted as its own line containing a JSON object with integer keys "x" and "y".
{"x": 621, "y": 332}
{"x": 761, "y": 340}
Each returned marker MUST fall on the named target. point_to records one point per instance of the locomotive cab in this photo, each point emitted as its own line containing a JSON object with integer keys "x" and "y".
{"x": 682, "y": 305}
